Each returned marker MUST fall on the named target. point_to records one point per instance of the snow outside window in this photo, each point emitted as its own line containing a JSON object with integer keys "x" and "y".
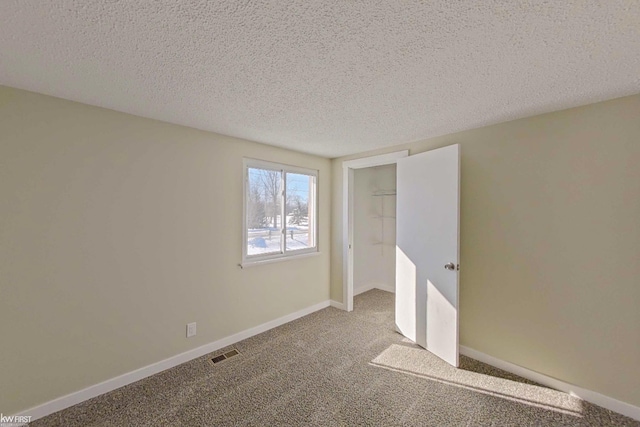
{"x": 280, "y": 211}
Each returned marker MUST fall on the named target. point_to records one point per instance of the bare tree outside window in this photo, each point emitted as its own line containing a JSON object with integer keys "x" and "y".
{"x": 271, "y": 186}
{"x": 279, "y": 222}
{"x": 256, "y": 214}
{"x": 264, "y": 235}
{"x": 299, "y": 190}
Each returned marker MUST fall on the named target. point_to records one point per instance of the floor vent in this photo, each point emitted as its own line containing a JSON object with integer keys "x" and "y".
{"x": 229, "y": 354}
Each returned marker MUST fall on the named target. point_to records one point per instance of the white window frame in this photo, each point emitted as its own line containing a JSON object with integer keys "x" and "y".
{"x": 251, "y": 260}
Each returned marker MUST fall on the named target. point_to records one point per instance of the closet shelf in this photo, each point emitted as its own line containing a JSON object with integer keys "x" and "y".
{"x": 384, "y": 193}
{"x": 383, "y": 217}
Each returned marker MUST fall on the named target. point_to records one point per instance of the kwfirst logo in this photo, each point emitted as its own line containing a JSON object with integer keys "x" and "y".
{"x": 14, "y": 420}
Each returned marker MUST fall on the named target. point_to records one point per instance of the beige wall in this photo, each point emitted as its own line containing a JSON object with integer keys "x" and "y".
{"x": 116, "y": 231}
{"x": 550, "y": 243}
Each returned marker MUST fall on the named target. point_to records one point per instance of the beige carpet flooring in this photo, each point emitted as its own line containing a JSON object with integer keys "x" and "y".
{"x": 333, "y": 368}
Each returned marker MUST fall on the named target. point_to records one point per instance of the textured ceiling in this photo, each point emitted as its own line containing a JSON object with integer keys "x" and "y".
{"x": 324, "y": 77}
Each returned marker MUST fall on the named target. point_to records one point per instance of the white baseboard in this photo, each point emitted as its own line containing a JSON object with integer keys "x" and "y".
{"x": 336, "y": 304}
{"x": 590, "y": 396}
{"x": 370, "y": 286}
{"x": 106, "y": 386}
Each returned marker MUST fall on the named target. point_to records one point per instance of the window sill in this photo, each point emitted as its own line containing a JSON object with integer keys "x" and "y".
{"x": 248, "y": 264}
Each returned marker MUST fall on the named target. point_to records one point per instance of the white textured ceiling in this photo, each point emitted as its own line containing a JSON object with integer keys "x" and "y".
{"x": 324, "y": 77}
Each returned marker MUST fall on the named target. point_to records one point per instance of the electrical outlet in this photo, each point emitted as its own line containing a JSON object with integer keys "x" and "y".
{"x": 191, "y": 329}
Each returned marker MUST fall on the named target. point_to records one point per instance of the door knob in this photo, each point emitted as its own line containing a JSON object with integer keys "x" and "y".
{"x": 451, "y": 266}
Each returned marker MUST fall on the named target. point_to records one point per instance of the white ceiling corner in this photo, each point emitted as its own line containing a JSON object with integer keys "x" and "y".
{"x": 324, "y": 77}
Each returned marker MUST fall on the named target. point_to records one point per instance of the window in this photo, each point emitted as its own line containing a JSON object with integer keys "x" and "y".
{"x": 280, "y": 211}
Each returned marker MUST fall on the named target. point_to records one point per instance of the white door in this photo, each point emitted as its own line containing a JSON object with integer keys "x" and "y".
{"x": 427, "y": 252}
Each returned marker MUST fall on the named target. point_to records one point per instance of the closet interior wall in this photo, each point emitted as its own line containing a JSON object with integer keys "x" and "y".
{"x": 374, "y": 228}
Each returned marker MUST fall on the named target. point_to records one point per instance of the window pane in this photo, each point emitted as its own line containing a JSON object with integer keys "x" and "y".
{"x": 264, "y": 223}
{"x": 300, "y": 211}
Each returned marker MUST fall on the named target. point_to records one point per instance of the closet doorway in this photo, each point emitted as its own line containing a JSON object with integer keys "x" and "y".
{"x": 369, "y": 210}
{"x": 426, "y": 242}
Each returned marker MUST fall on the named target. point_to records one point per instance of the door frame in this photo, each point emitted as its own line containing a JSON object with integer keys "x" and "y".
{"x": 348, "y": 168}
